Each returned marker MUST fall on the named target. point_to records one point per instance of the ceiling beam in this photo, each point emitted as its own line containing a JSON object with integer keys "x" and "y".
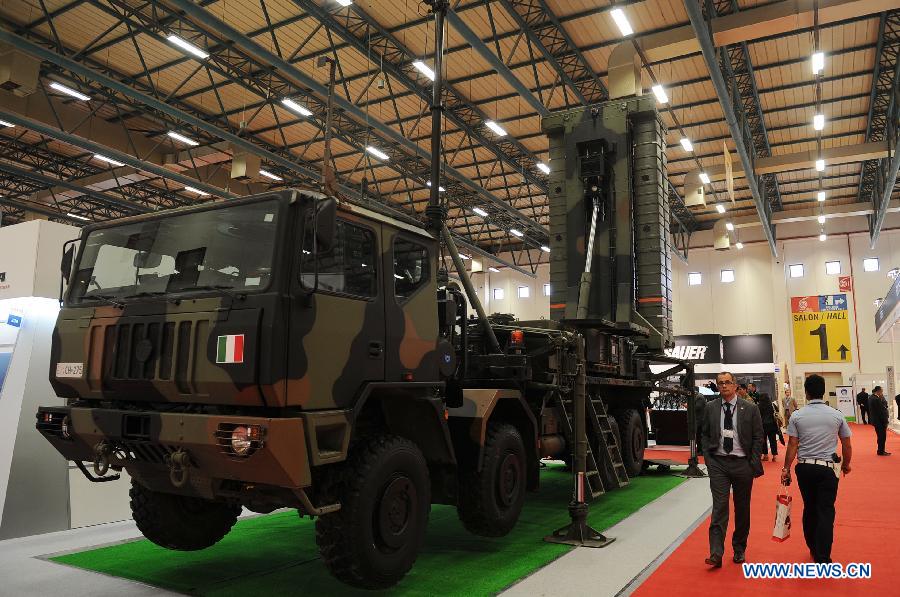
{"x": 833, "y": 156}
{"x": 407, "y": 154}
{"x": 757, "y": 23}
{"x": 498, "y": 65}
{"x": 545, "y": 32}
{"x": 810, "y": 214}
{"x": 704, "y": 38}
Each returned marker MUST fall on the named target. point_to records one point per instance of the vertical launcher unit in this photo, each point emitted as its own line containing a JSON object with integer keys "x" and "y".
{"x": 611, "y": 261}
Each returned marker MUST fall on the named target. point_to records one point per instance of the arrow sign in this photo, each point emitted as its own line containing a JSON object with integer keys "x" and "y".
{"x": 843, "y": 350}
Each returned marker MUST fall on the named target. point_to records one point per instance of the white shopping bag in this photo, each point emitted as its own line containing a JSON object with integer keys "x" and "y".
{"x": 782, "y": 530}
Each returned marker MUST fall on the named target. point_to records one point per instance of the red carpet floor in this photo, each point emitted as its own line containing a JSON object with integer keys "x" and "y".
{"x": 866, "y": 530}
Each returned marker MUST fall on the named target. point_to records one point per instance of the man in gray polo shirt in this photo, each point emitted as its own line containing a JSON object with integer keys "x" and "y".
{"x": 814, "y": 431}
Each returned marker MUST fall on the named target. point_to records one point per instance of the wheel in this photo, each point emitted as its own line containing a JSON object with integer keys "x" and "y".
{"x": 385, "y": 495}
{"x": 631, "y": 432}
{"x": 491, "y": 500}
{"x": 180, "y": 522}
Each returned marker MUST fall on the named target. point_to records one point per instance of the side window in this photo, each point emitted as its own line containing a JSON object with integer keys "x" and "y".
{"x": 411, "y": 267}
{"x": 349, "y": 267}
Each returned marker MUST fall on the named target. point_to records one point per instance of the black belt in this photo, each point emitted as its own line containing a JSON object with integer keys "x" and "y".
{"x": 730, "y": 457}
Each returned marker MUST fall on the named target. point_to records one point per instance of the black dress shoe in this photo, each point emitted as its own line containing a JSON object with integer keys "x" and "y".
{"x": 884, "y": 453}
{"x": 738, "y": 558}
{"x": 714, "y": 560}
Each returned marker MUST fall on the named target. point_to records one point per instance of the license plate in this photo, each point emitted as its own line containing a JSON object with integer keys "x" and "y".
{"x": 70, "y": 370}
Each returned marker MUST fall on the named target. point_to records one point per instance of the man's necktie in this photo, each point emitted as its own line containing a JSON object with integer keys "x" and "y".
{"x": 728, "y": 443}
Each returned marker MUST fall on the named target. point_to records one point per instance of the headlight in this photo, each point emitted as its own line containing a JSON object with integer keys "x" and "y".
{"x": 243, "y": 438}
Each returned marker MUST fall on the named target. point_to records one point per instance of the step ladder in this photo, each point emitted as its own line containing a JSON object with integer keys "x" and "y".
{"x": 596, "y": 412}
{"x": 599, "y": 426}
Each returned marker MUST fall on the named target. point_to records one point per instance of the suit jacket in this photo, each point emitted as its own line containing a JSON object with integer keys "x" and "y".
{"x": 878, "y": 411}
{"x": 750, "y": 431}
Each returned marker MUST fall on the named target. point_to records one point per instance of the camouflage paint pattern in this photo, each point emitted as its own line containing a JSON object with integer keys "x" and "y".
{"x": 303, "y": 352}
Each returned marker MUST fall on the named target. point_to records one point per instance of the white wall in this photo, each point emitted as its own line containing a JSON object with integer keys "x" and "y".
{"x": 758, "y": 302}
{"x": 536, "y": 306}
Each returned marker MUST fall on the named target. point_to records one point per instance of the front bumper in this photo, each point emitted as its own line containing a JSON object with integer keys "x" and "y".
{"x": 144, "y": 442}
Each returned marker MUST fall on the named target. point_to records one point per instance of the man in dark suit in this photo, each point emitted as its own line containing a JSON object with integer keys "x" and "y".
{"x": 862, "y": 399}
{"x": 878, "y": 417}
{"x": 732, "y": 444}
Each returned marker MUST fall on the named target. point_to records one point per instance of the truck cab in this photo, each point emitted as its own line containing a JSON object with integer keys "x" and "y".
{"x": 281, "y": 350}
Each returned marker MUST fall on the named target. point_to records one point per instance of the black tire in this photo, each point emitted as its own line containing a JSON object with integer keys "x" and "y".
{"x": 490, "y": 500}
{"x": 385, "y": 495}
{"x": 179, "y": 522}
{"x": 633, "y": 441}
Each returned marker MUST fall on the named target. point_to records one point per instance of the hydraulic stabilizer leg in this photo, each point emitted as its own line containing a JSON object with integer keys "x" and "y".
{"x": 584, "y": 289}
{"x": 579, "y": 532}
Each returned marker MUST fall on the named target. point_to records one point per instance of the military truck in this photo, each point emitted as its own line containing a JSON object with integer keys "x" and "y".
{"x": 293, "y": 350}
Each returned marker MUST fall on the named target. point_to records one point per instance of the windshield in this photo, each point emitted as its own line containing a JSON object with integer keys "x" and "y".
{"x": 225, "y": 248}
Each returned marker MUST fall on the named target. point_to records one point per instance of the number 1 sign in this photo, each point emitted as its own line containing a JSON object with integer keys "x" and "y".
{"x": 821, "y": 329}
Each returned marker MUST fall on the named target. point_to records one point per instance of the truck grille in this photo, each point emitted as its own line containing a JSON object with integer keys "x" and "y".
{"x": 148, "y": 351}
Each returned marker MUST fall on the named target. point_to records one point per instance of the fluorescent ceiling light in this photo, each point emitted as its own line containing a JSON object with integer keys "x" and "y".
{"x": 110, "y": 161}
{"x": 424, "y": 69}
{"x": 494, "y": 269}
{"x": 440, "y": 189}
{"x": 376, "y": 152}
{"x": 4, "y": 123}
{"x": 704, "y": 178}
{"x": 822, "y": 237}
{"x": 686, "y": 143}
{"x": 820, "y": 195}
{"x": 77, "y": 217}
{"x": 729, "y": 226}
{"x": 498, "y": 130}
{"x": 820, "y": 165}
{"x": 268, "y": 174}
{"x": 68, "y": 91}
{"x": 182, "y": 138}
{"x": 197, "y": 191}
{"x": 543, "y": 167}
{"x": 660, "y": 92}
{"x": 819, "y": 122}
{"x": 515, "y": 232}
{"x": 621, "y": 20}
{"x": 480, "y": 212}
{"x": 818, "y": 62}
{"x": 302, "y": 110}
{"x": 545, "y": 248}
{"x": 739, "y": 245}
{"x": 187, "y": 47}
{"x": 463, "y": 256}
{"x": 345, "y": 2}
{"x": 821, "y": 219}
{"x": 720, "y": 208}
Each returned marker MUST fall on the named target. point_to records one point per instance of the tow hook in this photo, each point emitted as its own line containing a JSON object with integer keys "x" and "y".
{"x": 101, "y": 458}
{"x": 179, "y": 463}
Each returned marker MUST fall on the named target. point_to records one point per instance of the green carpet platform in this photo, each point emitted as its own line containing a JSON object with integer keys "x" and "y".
{"x": 276, "y": 553}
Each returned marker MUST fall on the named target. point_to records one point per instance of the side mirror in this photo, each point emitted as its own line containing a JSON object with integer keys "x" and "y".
{"x": 326, "y": 215}
{"x": 65, "y": 264}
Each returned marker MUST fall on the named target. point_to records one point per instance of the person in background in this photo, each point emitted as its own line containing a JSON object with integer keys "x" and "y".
{"x": 878, "y": 417}
{"x": 814, "y": 431}
{"x": 897, "y": 400}
{"x": 753, "y": 392}
{"x": 742, "y": 391}
{"x": 789, "y": 405}
{"x": 862, "y": 399}
{"x": 732, "y": 443}
{"x": 770, "y": 427}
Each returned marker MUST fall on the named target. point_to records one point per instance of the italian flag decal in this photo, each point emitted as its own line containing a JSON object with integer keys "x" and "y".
{"x": 230, "y": 349}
